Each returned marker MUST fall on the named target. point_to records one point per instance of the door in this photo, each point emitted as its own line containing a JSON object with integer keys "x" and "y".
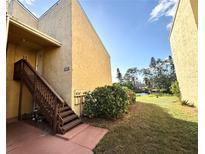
{"x": 15, "y": 53}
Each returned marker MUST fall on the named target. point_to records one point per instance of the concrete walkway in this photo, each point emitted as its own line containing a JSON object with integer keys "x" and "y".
{"x": 23, "y": 138}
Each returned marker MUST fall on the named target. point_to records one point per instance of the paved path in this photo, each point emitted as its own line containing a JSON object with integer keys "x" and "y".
{"x": 23, "y": 138}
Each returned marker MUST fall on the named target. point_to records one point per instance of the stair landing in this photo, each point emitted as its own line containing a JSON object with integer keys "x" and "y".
{"x": 85, "y": 135}
{"x": 23, "y": 138}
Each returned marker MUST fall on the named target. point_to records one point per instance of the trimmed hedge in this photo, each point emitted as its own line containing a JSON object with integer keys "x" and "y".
{"x": 106, "y": 102}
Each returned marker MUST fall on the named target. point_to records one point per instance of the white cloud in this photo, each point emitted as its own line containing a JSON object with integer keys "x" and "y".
{"x": 29, "y": 2}
{"x": 169, "y": 25}
{"x": 164, "y": 8}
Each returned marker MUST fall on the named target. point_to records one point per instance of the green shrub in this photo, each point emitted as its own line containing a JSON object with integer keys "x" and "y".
{"x": 130, "y": 94}
{"x": 175, "y": 88}
{"x": 106, "y": 102}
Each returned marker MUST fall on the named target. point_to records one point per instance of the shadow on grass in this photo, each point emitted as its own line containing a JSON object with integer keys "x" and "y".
{"x": 149, "y": 129}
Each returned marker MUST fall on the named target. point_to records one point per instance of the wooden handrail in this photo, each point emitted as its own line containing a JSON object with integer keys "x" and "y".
{"x": 43, "y": 80}
{"x": 48, "y": 101}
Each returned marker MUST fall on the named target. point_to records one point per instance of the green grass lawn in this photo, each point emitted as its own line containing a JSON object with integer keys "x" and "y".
{"x": 153, "y": 126}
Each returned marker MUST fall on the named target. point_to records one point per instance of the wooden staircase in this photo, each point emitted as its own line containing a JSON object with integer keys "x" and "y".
{"x": 68, "y": 119}
{"x": 56, "y": 111}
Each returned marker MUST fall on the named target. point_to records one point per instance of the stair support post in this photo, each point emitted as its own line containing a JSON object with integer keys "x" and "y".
{"x": 55, "y": 117}
{"x": 34, "y": 93}
{"x": 21, "y": 89}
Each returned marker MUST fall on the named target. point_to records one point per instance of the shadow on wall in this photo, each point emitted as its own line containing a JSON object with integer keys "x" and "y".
{"x": 150, "y": 129}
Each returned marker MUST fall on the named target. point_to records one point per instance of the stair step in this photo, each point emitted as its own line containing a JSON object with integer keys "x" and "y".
{"x": 44, "y": 96}
{"x": 71, "y": 125}
{"x": 69, "y": 118}
{"x": 66, "y": 113}
{"x": 64, "y": 108}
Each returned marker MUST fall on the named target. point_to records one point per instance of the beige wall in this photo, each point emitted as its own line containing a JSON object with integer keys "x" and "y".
{"x": 90, "y": 61}
{"x": 183, "y": 40}
{"x": 56, "y": 23}
{"x": 21, "y": 14}
{"x": 15, "y": 53}
{"x": 82, "y": 51}
{"x": 39, "y": 61}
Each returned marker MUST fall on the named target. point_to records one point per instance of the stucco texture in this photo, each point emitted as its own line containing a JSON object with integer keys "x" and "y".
{"x": 56, "y": 23}
{"x": 21, "y": 14}
{"x": 15, "y": 53}
{"x": 184, "y": 40}
{"x": 17, "y": 50}
{"x": 90, "y": 60}
{"x": 81, "y": 63}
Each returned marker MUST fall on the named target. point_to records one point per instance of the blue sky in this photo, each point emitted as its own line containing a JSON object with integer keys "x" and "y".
{"x": 132, "y": 31}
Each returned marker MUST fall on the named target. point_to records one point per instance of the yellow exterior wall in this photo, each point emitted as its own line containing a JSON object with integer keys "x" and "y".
{"x": 15, "y": 53}
{"x": 21, "y": 14}
{"x": 39, "y": 61}
{"x": 90, "y": 60}
{"x": 56, "y": 23}
{"x": 184, "y": 40}
{"x": 82, "y": 51}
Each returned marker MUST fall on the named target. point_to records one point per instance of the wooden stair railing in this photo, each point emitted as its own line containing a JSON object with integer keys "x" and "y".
{"x": 56, "y": 111}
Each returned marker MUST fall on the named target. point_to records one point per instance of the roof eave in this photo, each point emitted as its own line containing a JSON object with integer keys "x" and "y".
{"x": 35, "y": 32}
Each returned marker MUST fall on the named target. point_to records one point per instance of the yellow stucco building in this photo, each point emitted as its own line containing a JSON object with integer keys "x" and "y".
{"x": 184, "y": 45}
{"x": 63, "y": 57}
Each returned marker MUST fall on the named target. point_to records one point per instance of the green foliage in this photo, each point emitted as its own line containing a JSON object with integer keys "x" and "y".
{"x": 131, "y": 74}
{"x": 153, "y": 63}
{"x": 164, "y": 119}
{"x": 106, "y": 102}
{"x": 131, "y": 78}
{"x": 160, "y": 74}
{"x": 128, "y": 84}
{"x": 172, "y": 74}
{"x": 175, "y": 88}
{"x": 130, "y": 94}
{"x": 119, "y": 76}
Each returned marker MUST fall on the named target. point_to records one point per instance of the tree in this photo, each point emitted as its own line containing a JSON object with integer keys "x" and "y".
{"x": 174, "y": 88}
{"x": 159, "y": 61}
{"x": 119, "y": 76}
{"x": 131, "y": 76}
{"x": 160, "y": 74}
{"x": 130, "y": 73}
{"x": 172, "y": 70}
{"x": 152, "y": 63}
{"x": 130, "y": 79}
{"x": 147, "y": 77}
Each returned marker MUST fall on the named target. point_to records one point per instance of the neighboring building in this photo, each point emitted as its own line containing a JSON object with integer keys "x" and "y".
{"x": 184, "y": 44}
{"x": 64, "y": 50}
